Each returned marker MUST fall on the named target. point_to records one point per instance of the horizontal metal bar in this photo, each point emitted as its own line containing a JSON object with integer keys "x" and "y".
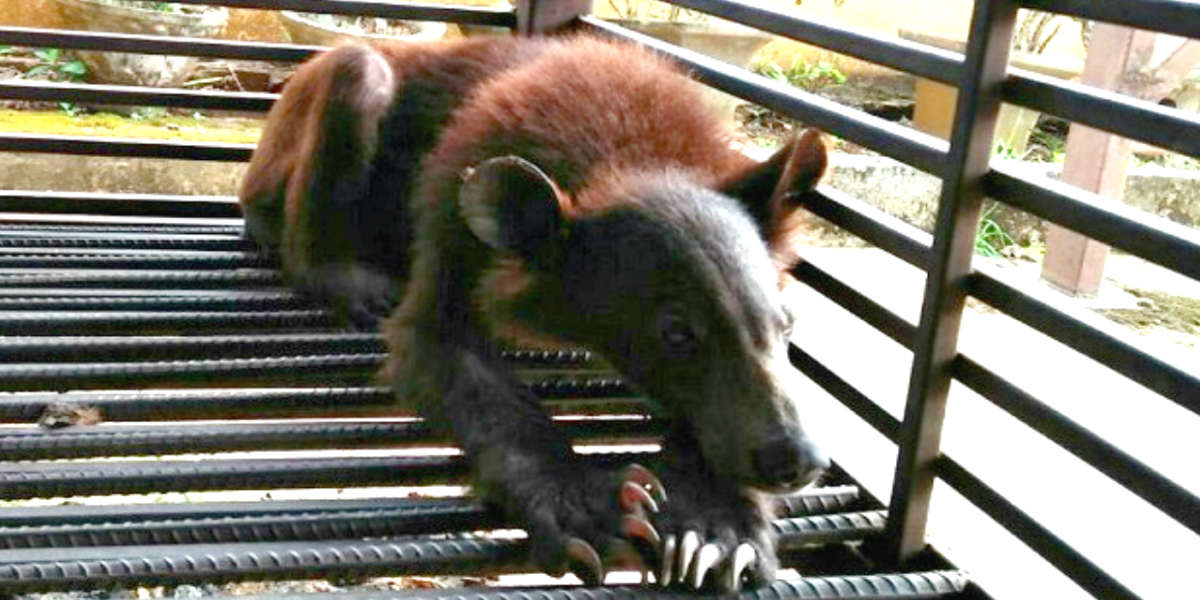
{"x": 919, "y": 59}
{"x": 194, "y": 260}
{"x": 1066, "y": 559}
{"x": 926, "y": 585}
{"x": 59, "y": 228}
{"x": 125, "y": 147}
{"x": 155, "y": 44}
{"x": 164, "y": 241}
{"x": 37, "y": 443}
{"x": 134, "y": 322}
{"x": 198, "y": 302}
{"x": 871, "y": 312}
{"x": 918, "y": 149}
{"x": 47, "y": 91}
{"x": 1088, "y": 334}
{"x": 820, "y": 501}
{"x": 867, "y": 409}
{"x": 569, "y": 395}
{"x": 828, "y": 529}
{"x": 1134, "y": 475}
{"x": 416, "y": 11}
{"x": 128, "y": 205}
{"x": 479, "y": 556}
{"x": 330, "y": 368}
{"x": 871, "y": 224}
{"x": 32, "y": 517}
{"x": 275, "y": 521}
{"x": 121, "y": 348}
{"x": 46, "y": 480}
{"x": 1177, "y": 17}
{"x": 100, "y": 278}
{"x": 1110, "y": 111}
{"x": 174, "y": 405}
{"x": 1148, "y": 236}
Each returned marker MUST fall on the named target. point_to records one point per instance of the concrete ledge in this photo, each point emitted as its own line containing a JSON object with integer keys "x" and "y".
{"x": 887, "y": 184}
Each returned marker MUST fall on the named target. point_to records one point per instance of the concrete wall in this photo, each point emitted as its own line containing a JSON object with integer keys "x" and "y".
{"x": 244, "y": 24}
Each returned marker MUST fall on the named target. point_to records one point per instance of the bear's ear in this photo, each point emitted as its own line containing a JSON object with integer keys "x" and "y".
{"x": 512, "y": 205}
{"x": 771, "y": 190}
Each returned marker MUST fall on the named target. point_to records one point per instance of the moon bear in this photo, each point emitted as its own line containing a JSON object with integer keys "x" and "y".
{"x": 467, "y": 195}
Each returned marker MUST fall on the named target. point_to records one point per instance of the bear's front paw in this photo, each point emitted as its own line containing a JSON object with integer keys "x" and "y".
{"x": 714, "y": 537}
{"x": 587, "y": 522}
{"x": 358, "y": 295}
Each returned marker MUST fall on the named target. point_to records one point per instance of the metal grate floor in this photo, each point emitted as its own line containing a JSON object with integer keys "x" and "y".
{"x": 171, "y": 351}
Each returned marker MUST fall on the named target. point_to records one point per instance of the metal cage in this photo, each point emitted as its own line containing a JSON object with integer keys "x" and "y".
{"x": 83, "y": 319}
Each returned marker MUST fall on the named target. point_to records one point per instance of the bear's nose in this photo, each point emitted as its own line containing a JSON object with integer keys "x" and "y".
{"x": 790, "y": 462}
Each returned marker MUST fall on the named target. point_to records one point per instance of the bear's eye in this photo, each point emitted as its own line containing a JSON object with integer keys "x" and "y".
{"x": 678, "y": 336}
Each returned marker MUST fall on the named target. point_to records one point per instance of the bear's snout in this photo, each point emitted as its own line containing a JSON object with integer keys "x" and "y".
{"x": 788, "y": 463}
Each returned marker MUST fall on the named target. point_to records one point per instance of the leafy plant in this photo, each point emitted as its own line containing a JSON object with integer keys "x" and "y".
{"x": 803, "y": 74}
{"x": 50, "y": 60}
{"x": 990, "y": 237}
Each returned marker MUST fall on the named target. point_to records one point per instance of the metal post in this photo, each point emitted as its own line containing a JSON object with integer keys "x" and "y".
{"x": 958, "y": 215}
{"x": 545, "y": 16}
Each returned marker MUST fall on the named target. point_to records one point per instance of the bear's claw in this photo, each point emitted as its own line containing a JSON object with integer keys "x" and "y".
{"x": 585, "y": 562}
{"x": 643, "y": 478}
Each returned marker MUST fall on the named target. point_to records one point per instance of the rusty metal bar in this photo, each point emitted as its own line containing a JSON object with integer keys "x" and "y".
{"x": 1177, "y": 17}
{"x": 954, "y": 232}
{"x": 141, "y": 205}
{"x": 902, "y": 55}
{"x": 920, "y": 150}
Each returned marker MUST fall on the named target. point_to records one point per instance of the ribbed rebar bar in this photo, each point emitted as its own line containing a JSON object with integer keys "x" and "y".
{"x": 329, "y": 402}
{"x": 821, "y": 500}
{"x": 132, "y": 347}
{"x": 188, "y": 260}
{"x": 288, "y": 369}
{"x": 112, "y": 228}
{"x": 243, "y": 301}
{"x": 120, "y": 348}
{"x": 199, "y": 280}
{"x": 145, "y": 322}
{"x": 923, "y": 585}
{"x": 822, "y": 529}
{"x": 131, "y": 241}
{"x": 46, "y": 480}
{"x": 271, "y": 521}
{"x": 171, "y": 438}
{"x": 467, "y": 555}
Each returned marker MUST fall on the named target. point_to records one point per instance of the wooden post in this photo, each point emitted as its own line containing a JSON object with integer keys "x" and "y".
{"x": 1095, "y": 160}
{"x": 545, "y": 16}
{"x": 1119, "y": 60}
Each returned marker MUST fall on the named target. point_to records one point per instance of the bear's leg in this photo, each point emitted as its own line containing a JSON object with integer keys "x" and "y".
{"x": 577, "y": 513}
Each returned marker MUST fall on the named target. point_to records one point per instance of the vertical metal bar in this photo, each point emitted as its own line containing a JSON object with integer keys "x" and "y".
{"x": 941, "y": 313}
{"x": 545, "y": 16}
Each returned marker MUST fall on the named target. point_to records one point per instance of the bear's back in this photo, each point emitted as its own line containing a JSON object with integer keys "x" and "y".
{"x": 582, "y": 109}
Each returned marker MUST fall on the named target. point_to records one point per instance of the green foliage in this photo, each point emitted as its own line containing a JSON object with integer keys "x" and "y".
{"x": 51, "y": 62}
{"x": 990, "y": 238}
{"x": 803, "y": 74}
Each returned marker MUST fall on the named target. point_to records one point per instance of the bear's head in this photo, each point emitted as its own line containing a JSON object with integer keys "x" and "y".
{"x": 677, "y": 285}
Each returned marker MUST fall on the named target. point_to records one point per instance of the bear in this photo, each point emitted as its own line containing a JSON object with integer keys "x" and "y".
{"x": 468, "y": 195}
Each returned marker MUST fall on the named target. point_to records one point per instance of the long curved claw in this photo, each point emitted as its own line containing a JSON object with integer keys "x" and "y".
{"x": 743, "y": 557}
{"x": 668, "y": 560}
{"x": 644, "y": 478}
{"x": 635, "y": 528}
{"x": 687, "y": 549}
{"x": 582, "y": 555}
{"x": 706, "y": 558}
{"x": 635, "y": 499}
